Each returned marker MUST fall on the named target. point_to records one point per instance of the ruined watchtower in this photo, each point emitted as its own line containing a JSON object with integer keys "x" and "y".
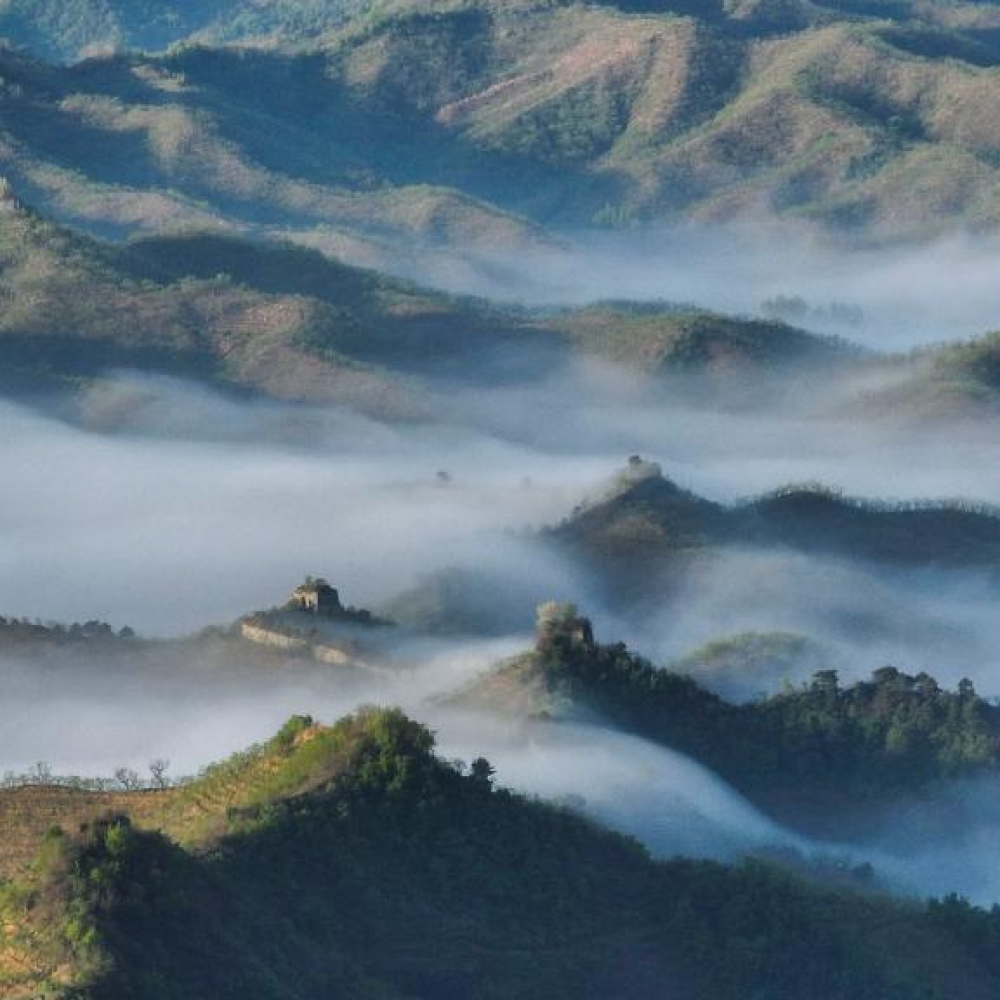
{"x": 555, "y": 622}
{"x": 316, "y": 597}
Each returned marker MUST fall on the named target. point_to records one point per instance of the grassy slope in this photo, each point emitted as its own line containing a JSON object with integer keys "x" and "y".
{"x": 289, "y": 322}
{"x": 643, "y": 112}
{"x": 657, "y": 339}
{"x": 353, "y": 863}
{"x": 249, "y": 140}
{"x": 76, "y": 308}
{"x": 275, "y": 319}
{"x": 71, "y": 29}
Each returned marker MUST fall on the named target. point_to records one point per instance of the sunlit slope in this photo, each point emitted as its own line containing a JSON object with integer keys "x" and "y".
{"x": 349, "y": 861}
{"x": 452, "y": 123}
{"x": 287, "y": 322}
{"x": 654, "y": 111}
{"x": 71, "y": 29}
{"x": 277, "y": 320}
{"x": 300, "y": 757}
{"x": 249, "y": 140}
{"x": 722, "y": 350}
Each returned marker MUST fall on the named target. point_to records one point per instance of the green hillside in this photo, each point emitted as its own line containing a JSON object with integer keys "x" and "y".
{"x": 351, "y": 862}
{"x": 250, "y": 141}
{"x": 810, "y": 753}
{"x": 73, "y": 29}
{"x": 953, "y": 382}
{"x": 735, "y": 358}
{"x": 270, "y": 318}
{"x": 868, "y": 117}
{"x": 287, "y": 321}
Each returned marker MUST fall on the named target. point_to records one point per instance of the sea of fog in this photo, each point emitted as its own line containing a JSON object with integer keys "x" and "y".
{"x": 196, "y": 509}
{"x": 201, "y": 509}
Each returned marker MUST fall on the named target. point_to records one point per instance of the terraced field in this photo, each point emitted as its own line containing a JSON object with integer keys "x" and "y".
{"x": 189, "y": 814}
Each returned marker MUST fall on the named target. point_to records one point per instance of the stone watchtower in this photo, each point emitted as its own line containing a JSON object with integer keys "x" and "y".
{"x": 555, "y": 621}
{"x": 316, "y": 597}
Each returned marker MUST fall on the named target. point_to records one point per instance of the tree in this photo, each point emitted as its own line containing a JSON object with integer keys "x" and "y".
{"x": 128, "y": 779}
{"x": 482, "y": 771}
{"x": 158, "y": 770}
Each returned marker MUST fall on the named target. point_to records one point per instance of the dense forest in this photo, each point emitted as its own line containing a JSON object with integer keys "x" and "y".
{"x": 868, "y": 741}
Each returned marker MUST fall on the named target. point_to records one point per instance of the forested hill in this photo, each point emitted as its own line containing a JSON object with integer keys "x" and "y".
{"x": 351, "y": 862}
{"x": 644, "y": 521}
{"x": 821, "y": 743}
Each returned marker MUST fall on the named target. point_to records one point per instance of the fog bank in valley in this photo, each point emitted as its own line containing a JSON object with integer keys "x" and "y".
{"x": 199, "y": 509}
{"x": 178, "y": 509}
{"x": 908, "y": 295}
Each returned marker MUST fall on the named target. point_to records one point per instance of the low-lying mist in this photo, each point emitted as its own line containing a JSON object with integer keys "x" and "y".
{"x": 90, "y": 714}
{"x": 674, "y": 805}
{"x": 199, "y": 509}
{"x": 77, "y": 713}
{"x": 892, "y": 298}
{"x": 184, "y": 509}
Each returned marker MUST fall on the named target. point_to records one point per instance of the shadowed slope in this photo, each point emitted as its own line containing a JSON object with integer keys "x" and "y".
{"x": 644, "y": 526}
{"x": 812, "y": 754}
{"x": 413, "y": 129}
{"x": 364, "y": 867}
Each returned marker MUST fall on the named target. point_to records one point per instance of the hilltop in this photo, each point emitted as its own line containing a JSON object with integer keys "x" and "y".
{"x": 350, "y": 859}
{"x": 643, "y": 526}
{"x": 812, "y": 754}
{"x": 286, "y": 321}
{"x": 273, "y": 319}
{"x": 249, "y": 142}
{"x": 74, "y": 29}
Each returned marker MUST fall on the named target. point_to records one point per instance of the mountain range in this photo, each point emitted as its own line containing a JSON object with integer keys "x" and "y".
{"x": 477, "y": 124}
{"x": 645, "y": 530}
{"x": 288, "y": 322}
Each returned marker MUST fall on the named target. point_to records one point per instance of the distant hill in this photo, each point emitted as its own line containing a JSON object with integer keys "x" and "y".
{"x": 812, "y": 754}
{"x": 289, "y": 322}
{"x": 274, "y": 319}
{"x": 72, "y": 29}
{"x": 387, "y": 132}
{"x": 349, "y": 861}
{"x": 464, "y": 601}
{"x": 732, "y": 358}
{"x": 865, "y": 116}
{"x": 744, "y": 665}
{"x": 644, "y": 526}
{"x": 958, "y": 381}
{"x": 248, "y": 141}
